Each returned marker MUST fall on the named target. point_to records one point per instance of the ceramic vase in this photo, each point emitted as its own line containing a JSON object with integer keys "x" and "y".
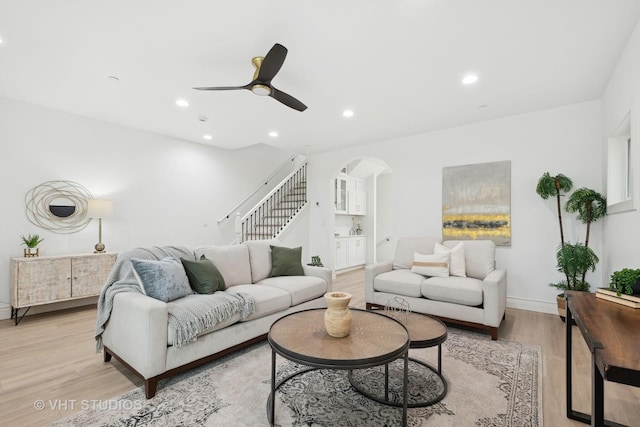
{"x": 337, "y": 318}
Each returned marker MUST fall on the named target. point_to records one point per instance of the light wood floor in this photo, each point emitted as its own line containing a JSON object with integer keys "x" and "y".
{"x": 50, "y": 358}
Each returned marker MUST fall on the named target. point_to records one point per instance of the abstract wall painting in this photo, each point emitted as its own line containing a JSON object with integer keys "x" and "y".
{"x": 476, "y": 202}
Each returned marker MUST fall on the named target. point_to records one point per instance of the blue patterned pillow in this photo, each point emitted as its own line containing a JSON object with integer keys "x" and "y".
{"x": 164, "y": 280}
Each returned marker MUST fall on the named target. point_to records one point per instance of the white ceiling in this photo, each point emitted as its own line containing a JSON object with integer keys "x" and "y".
{"x": 396, "y": 63}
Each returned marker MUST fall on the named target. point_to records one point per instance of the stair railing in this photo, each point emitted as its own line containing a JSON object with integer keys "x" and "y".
{"x": 270, "y": 216}
{"x": 265, "y": 182}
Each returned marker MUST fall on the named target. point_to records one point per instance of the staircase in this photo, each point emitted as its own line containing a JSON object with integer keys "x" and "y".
{"x": 270, "y": 217}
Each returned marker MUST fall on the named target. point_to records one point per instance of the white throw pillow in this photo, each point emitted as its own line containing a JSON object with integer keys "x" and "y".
{"x": 436, "y": 265}
{"x": 457, "y": 265}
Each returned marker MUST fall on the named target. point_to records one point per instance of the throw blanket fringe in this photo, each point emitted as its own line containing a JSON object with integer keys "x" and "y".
{"x": 193, "y": 314}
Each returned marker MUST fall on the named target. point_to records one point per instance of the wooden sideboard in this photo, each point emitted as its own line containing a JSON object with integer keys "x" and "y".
{"x": 45, "y": 280}
{"x": 612, "y": 334}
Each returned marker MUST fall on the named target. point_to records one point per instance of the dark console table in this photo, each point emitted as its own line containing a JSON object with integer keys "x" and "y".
{"x": 612, "y": 333}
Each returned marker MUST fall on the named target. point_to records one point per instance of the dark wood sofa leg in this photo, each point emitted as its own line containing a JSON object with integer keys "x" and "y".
{"x": 150, "y": 387}
{"x": 106, "y": 356}
{"x": 494, "y": 334}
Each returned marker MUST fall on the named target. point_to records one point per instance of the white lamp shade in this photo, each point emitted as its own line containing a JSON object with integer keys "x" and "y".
{"x": 99, "y": 208}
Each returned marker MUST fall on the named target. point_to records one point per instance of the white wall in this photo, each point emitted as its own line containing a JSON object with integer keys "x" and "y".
{"x": 384, "y": 218}
{"x": 562, "y": 140}
{"x": 165, "y": 191}
{"x": 622, "y": 230}
{"x": 297, "y": 234}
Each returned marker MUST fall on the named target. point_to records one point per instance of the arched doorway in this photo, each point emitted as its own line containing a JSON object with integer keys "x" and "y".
{"x": 363, "y": 215}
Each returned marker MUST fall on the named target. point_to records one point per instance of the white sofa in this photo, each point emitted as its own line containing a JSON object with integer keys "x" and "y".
{"x": 478, "y": 300}
{"x": 137, "y": 332}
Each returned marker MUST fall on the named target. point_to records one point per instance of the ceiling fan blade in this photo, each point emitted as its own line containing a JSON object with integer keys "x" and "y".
{"x": 223, "y": 88}
{"x": 271, "y": 63}
{"x": 287, "y": 99}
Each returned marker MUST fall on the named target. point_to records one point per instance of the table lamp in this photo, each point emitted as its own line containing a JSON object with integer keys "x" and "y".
{"x": 99, "y": 208}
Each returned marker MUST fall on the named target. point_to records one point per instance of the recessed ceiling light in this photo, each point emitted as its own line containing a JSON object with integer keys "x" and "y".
{"x": 470, "y": 79}
{"x": 207, "y": 137}
{"x": 182, "y": 103}
{"x": 0, "y": 41}
{"x": 273, "y": 134}
{"x": 347, "y": 113}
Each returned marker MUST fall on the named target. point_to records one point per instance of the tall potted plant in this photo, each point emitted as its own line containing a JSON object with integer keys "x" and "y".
{"x": 574, "y": 260}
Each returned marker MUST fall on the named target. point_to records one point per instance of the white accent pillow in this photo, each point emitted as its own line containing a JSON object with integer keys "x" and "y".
{"x": 436, "y": 265}
{"x": 457, "y": 265}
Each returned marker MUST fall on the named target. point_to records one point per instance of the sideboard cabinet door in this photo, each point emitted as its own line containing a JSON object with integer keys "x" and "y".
{"x": 40, "y": 281}
{"x": 89, "y": 274}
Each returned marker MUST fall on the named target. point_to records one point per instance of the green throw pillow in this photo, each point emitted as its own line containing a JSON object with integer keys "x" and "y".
{"x": 286, "y": 261}
{"x": 204, "y": 276}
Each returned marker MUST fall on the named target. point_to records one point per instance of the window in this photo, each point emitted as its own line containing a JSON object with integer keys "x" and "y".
{"x": 621, "y": 165}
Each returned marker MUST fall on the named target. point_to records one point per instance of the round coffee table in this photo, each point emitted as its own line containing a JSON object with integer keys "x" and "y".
{"x": 375, "y": 339}
{"x": 424, "y": 332}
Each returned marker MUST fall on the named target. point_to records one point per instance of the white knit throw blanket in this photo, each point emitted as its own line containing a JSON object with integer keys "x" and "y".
{"x": 191, "y": 315}
{"x": 189, "y": 319}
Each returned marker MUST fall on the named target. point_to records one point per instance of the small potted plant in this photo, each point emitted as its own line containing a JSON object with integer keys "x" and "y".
{"x": 31, "y": 242}
{"x": 625, "y": 281}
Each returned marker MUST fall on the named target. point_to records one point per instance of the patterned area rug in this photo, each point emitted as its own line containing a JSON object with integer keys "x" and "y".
{"x": 490, "y": 383}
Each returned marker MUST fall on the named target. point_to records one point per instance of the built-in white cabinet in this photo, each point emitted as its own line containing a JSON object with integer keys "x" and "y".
{"x": 342, "y": 253}
{"x": 350, "y": 251}
{"x": 340, "y": 198}
{"x": 357, "y": 250}
{"x": 350, "y": 196}
{"x": 357, "y": 203}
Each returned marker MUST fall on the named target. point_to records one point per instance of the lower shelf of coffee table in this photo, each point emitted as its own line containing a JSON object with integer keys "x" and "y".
{"x": 384, "y": 384}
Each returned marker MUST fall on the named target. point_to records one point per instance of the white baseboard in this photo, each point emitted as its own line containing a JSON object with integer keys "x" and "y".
{"x": 550, "y": 307}
{"x": 5, "y": 311}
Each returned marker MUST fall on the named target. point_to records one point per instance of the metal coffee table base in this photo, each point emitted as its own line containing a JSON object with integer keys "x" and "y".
{"x": 410, "y": 404}
{"x": 275, "y": 386}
